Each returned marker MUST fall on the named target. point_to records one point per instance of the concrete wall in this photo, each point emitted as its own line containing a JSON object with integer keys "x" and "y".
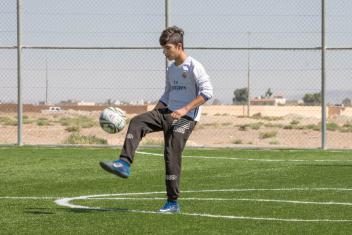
{"x": 38, "y": 108}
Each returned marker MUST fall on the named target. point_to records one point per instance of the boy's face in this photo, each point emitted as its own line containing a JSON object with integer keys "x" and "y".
{"x": 172, "y": 51}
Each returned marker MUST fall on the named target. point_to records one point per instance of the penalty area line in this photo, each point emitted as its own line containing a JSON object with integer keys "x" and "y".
{"x": 252, "y": 159}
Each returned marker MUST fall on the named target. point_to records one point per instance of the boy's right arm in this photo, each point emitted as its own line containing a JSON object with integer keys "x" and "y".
{"x": 159, "y": 105}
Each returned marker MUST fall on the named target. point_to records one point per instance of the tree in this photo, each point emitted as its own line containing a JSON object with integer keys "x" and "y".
{"x": 240, "y": 96}
{"x": 347, "y": 102}
{"x": 66, "y": 101}
{"x": 312, "y": 98}
{"x": 268, "y": 93}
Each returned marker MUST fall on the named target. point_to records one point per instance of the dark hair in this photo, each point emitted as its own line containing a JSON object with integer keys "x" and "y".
{"x": 173, "y": 35}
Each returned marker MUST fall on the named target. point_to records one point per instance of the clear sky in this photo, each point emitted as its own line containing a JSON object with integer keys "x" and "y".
{"x": 98, "y": 75}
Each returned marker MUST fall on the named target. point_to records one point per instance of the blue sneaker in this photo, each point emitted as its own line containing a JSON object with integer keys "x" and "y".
{"x": 170, "y": 207}
{"x": 118, "y": 167}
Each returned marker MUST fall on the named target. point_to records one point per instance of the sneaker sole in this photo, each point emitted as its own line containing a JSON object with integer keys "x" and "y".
{"x": 110, "y": 170}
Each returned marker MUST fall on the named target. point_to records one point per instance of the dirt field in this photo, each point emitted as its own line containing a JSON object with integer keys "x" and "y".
{"x": 219, "y": 126}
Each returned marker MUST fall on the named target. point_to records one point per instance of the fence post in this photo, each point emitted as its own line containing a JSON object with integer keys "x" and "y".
{"x": 323, "y": 78}
{"x": 19, "y": 78}
{"x": 167, "y": 19}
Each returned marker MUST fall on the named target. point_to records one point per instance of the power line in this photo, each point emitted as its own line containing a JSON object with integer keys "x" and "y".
{"x": 90, "y": 14}
{"x": 190, "y": 32}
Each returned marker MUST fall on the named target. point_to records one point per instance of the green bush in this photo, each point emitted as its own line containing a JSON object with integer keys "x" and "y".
{"x": 294, "y": 122}
{"x": 26, "y": 120}
{"x": 243, "y": 127}
{"x": 269, "y": 134}
{"x": 314, "y": 127}
{"x": 266, "y": 118}
{"x": 73, "y": 129}
{"x": 332, "y": 126}
{"x": 81, "y": 121}
{"x": 347, "y": 127}
{"x": 237, "y": 141}
{"x": 8, "y": 121}
{"x": 43, "y": 122}
{"x": 257, "y": 115}
{"x": 256, "y": 126}
{"x": 76, "y": 138}
{"x": 269, "y": 118}
{"x": 253, "y": 126}
{"x": 272, "y": 125}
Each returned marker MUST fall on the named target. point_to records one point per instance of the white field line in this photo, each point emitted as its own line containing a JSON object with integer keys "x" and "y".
{"x": 28, "y": 198}
{"x": 67, "y": 202}
{"x": 225, "y": 199}
{"x": 252, "y": 159}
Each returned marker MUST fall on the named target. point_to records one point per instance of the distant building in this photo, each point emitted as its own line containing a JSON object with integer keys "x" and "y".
{"x": 300, "y": 102}
{"x": 335, "y": 110}
{"x": 273, "y": 101}
{"x": 138, "y": 102}
{"x": 82, "y": 103}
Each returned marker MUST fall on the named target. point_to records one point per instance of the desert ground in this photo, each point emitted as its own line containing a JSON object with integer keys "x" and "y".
{"x": 220, "y": 126}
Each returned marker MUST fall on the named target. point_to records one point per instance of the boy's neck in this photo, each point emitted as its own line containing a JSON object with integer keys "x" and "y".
{"x": 179, "y": 60}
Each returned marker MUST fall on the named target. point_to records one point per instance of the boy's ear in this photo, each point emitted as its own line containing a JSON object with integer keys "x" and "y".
{"x": 179, "y": 46}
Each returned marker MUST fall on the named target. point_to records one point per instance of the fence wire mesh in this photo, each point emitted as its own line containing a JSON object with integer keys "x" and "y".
{"x": 263, "y": 57}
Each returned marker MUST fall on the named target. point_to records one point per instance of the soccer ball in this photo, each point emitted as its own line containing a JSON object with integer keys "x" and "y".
{"x": 112, "y": 120}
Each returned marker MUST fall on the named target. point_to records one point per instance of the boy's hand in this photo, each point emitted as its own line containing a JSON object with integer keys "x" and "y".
{"x": 177, "y": 114}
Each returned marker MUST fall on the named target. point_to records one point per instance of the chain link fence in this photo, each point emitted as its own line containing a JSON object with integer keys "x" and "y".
{"x": 264, "y": 59}
{"x": 8, "y": 74}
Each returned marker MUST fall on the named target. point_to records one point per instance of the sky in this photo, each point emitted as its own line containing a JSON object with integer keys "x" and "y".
{"x": 125, "y": 75}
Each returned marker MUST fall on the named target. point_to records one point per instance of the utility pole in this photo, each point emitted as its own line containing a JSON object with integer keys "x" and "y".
{"x": 46, "y": 81}
{"x": 19, "y": 75}
{"x": 248, "y": 74}
{"x": 167, "y": 23}
{"x": 323, "y": 78}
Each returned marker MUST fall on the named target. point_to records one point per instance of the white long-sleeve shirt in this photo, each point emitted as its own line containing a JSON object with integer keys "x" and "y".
{"x": 184, "y": 83}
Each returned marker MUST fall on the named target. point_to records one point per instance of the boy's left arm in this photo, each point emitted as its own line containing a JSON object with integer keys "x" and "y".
{"x": 205, "y": 92}
{"x": 177, "y": 114}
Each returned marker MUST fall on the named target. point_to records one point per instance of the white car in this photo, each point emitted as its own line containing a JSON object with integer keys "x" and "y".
{"x": 54, "y": 109}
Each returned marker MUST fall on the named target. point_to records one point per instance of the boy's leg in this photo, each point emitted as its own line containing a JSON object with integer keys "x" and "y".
{"x": 140, "y": 126}
{"x": 175, "y": 141}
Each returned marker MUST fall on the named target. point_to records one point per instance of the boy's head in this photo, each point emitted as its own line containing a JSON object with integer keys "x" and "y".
{"x": 171, "y": 40}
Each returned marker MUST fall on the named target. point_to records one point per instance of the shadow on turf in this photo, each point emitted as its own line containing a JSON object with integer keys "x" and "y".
{"x": 45, "y": 211}
{"x": 38, "y": 211}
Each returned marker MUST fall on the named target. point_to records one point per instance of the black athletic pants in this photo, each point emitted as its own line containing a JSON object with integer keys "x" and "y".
{"x": 176, "y": 133}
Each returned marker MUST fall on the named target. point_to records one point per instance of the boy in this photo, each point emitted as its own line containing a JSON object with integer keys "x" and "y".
{"x": 176, "y": 114}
